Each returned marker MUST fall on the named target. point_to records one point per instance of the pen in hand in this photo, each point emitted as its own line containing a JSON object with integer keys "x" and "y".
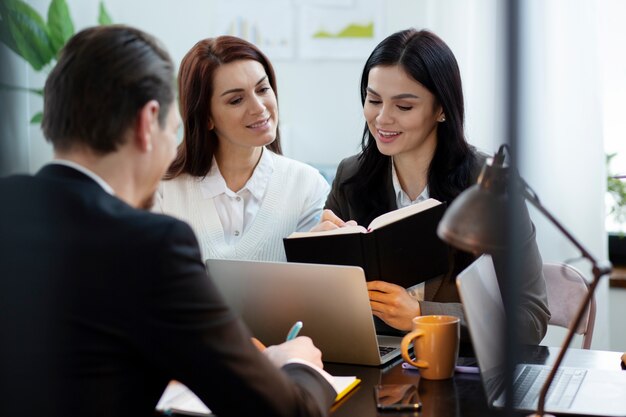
{"x": 293, "y": 332}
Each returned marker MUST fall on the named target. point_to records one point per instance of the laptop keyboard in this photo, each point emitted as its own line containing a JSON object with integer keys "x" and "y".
{"x": 562, "y": 391}
{"x": 383, "y": 350}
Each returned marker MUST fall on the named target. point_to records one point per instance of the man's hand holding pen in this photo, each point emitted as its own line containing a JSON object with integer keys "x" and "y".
{"x": 301, "y": 347}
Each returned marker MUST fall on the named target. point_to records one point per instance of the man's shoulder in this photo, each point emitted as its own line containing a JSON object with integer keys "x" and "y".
{"x": 155, "y": 226}
{"x": 15, "y": 180}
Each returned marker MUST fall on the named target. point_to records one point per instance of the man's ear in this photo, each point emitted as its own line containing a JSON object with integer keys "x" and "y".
{"x": 147, "y": 124}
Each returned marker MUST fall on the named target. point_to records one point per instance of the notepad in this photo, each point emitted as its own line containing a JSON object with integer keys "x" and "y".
{"x": 179, "y": 399}
{"x": 345, "y": 384}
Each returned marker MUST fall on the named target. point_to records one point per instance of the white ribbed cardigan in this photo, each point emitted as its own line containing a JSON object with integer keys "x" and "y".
{"x": 287, "y": 197}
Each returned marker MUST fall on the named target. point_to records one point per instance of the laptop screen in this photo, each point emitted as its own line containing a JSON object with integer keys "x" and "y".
{"x": 485, "y": 316}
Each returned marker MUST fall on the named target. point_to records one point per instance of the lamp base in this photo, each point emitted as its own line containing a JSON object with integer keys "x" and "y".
{"x": 540, "y": 415}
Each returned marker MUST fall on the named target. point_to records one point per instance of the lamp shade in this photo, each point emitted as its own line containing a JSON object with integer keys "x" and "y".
{"x": 476, "y": 221}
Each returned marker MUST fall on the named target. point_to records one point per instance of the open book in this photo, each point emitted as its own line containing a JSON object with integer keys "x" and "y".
{"x": 178, "y": 399}
{"x": 377, "y": 223}
{"x": 401, "y": 246}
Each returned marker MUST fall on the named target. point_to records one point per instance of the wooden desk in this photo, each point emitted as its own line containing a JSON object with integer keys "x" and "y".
{"x": 462, "y": 395}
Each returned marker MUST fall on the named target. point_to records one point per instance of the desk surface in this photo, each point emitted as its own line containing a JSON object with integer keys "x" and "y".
{"x": 462, "y": 395}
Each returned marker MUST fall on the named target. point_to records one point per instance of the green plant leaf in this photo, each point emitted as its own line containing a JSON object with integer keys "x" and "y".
{"x": 6, "y": 37}
{"x": 103, "y": 16}
{"x": 60, "y": 25}
{"x": 37, "y": 118}
{"x": 29, "y": 32}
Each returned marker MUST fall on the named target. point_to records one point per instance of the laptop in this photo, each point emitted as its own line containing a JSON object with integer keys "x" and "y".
{"x": 330, "y": 300}
{"x": 573, "y": 391}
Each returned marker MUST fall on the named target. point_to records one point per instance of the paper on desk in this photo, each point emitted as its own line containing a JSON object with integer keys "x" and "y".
{"x": 345, "y": 384}
{"x": 179, "y": 399}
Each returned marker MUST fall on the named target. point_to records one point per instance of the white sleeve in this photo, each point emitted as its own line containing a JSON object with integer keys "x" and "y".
{"x": 328, "y": 377}
{"x": 314, "y": 204}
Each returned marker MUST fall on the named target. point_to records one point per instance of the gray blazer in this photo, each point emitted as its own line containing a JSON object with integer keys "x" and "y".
{"x": 440, "y": 293}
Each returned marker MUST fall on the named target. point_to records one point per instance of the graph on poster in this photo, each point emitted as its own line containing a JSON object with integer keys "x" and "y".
{"x": 308, "y": 29}
{"x": 267, "y": 24}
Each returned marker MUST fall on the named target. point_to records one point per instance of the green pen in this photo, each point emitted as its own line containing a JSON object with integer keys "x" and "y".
{"x": 293, "y": 332}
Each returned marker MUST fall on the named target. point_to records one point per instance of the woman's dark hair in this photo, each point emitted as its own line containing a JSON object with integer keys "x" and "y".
{"x": 103, "y": 77}
{"x": 429, "y": 61}
{"x": 195, "y": 88}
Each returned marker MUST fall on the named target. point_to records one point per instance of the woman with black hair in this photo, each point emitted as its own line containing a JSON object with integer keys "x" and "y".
{"x": 414, "y": 148}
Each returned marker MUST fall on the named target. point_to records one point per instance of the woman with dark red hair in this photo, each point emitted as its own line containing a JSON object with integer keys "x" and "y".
{"x": 229, "y": 180}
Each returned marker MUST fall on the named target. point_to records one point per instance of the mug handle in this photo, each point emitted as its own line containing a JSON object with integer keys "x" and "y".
{"x": 404, "y": 348}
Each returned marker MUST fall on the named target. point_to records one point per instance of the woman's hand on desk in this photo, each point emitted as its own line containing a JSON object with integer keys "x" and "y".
{"x": 331, "y": 221}
{"x": 393, "y": 304}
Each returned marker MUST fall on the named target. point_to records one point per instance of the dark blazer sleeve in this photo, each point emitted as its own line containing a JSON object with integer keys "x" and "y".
{"x": 193, "y": 336}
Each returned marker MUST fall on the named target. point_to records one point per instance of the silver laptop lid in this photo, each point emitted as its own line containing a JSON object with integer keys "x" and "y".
{"x": 485, "y": 316}
{"x": 332, "y": 302}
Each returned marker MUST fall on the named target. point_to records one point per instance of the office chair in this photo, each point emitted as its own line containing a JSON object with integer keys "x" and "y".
{"x": 566, "y": 288}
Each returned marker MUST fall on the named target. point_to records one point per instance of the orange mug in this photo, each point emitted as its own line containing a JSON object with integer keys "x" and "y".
{"x": 436, "y": 345}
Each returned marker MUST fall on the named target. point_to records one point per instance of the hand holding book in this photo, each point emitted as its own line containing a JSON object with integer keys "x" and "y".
{"x": 393, "y": 304}
{"x": 401, "y": 246}
{"x": 330, "y": 221}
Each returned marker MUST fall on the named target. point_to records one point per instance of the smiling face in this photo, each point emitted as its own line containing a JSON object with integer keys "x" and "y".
{"x": 244, "y": 112}
{"x": 401, "y": 113}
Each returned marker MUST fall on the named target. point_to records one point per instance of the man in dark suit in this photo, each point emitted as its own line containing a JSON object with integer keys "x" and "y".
{"x": 101, "y": 302}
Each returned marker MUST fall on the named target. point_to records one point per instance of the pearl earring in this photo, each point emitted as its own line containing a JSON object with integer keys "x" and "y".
{"x": 443, "y": 119}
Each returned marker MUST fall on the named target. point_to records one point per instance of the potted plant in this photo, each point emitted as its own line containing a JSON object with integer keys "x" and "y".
{"x": 36, "y": 40}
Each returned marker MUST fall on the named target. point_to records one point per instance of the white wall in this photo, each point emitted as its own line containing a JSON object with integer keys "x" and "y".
{"x": 14, "y": 108}
{"x": 561, "y": 141}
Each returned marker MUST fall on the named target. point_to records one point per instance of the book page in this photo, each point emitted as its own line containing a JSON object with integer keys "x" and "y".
{"x": 393, "y": 216}
{"x": 339, "y": 231}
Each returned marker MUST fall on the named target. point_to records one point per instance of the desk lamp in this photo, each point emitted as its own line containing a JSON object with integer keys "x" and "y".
{"x": 475, "y": 222}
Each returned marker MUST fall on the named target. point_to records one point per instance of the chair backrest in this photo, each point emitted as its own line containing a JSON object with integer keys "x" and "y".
{"x": 566, "y": 288}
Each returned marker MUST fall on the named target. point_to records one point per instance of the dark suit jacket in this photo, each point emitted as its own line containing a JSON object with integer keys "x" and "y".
{"x": 102, "y": 304}
{"x": 440, "y": 294}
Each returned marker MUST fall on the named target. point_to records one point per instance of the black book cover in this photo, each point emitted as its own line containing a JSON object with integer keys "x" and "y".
{"x": 405, "y": 252}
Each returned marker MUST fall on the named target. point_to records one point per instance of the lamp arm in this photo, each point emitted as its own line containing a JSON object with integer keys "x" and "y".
{"x": 598, "y": 272}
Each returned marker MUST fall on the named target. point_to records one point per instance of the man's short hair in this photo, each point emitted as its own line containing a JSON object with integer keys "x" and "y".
{"x": 103, "y": 77}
